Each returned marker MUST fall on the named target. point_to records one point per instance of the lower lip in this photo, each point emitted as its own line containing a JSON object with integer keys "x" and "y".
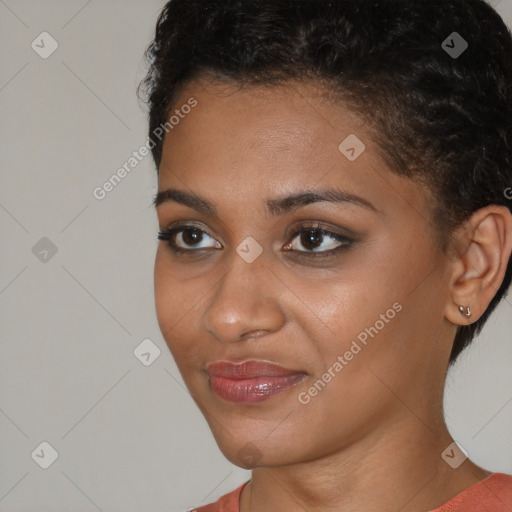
{"x": 252, "y": 390}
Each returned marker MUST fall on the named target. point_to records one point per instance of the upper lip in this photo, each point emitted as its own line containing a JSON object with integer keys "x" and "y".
{"x": 249, "y": 369}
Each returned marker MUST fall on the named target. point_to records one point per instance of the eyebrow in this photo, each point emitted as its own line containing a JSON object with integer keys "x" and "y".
{"x": 275, "y": 207}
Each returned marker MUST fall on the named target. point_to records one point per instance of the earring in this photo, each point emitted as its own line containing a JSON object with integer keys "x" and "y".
{"x": 465, "y": 311}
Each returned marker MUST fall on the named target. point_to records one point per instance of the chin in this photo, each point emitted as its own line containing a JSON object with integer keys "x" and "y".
{"x": 249, "y": 453}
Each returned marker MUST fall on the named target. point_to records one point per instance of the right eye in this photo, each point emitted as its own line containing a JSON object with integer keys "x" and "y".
{"x": 183, "y": 239}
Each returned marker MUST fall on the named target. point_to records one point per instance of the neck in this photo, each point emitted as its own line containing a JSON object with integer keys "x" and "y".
{"x": 398, "y": 467}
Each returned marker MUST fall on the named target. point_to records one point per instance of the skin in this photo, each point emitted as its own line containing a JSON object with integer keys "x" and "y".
{"x": 372, "y": 438}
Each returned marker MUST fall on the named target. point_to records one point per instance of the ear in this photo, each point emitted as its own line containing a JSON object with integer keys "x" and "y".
{"x": 477, "y": 269}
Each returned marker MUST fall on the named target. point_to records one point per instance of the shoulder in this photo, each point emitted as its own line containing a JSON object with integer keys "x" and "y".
{"x": 227, "y": 503}
{"x": 493, "y": 494}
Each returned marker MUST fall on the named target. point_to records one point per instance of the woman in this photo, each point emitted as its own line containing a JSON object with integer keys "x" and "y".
{"x": 335, "y": 229}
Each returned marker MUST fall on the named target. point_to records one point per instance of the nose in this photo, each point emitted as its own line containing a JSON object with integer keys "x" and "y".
{"x": 245, "y": 303}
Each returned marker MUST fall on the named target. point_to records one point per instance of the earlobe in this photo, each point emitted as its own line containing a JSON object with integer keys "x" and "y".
{"x": 465, "y": 311}
{"x": 478, "y": 272}
{"x": 460, "y": 314}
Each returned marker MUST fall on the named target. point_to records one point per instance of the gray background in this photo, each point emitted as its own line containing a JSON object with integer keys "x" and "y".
{"x": 129, "y": 437}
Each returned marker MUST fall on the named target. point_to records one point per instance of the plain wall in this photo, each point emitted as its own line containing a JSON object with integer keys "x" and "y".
{"x": 129, "y": 437}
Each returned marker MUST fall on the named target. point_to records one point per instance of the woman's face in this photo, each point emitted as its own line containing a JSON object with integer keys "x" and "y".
{"x": 353, "y": 305}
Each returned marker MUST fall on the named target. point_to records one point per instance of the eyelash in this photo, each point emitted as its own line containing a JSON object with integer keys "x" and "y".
{"x": 346, "y": 242}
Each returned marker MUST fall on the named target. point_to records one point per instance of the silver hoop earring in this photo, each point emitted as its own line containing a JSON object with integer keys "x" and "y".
{"x": 465, "y": 311}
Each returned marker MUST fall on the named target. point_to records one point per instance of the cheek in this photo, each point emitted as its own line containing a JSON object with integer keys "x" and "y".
{"x": 177, "y": 303}
{"x": 164, "y": 298}
{"x": 382, "y": 316}
{"x": 174, "y": 307}
{"x": 349, "y": 298}
{"x": 360, "y": 311}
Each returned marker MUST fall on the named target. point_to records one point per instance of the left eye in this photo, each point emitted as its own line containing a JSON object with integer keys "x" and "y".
{"x": 314, "y": 238}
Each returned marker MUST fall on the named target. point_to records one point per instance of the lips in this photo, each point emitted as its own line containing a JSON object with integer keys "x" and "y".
{"x": 250, "y": 381}
{"x": 248, "y": 369}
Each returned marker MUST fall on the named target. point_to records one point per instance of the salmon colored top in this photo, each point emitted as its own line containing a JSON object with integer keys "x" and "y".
{"x": 493, "y": 494}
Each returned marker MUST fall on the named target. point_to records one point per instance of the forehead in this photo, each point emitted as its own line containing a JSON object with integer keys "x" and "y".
{"x": 249, "y": 144}
{"x": 281, "y": 128}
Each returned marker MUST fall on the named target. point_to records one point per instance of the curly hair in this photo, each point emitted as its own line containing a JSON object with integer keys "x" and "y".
{"x": 442, "y": 119}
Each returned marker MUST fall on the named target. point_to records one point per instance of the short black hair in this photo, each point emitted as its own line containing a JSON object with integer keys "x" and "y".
{"x": 437, "y": 115}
